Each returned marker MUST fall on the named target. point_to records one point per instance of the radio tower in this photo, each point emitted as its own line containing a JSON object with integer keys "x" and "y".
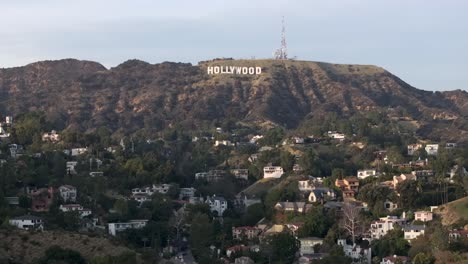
{"x": 282, "y": 53}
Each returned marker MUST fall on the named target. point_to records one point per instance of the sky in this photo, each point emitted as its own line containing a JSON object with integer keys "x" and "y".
{"x": 424, "y": 42}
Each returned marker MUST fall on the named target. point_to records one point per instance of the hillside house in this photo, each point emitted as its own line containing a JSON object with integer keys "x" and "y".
{"x": 401, "y": 178}
{"x": 363, "y": 174}
{"x": 114, "y": 228}
{"x": 41, "y": 199}
{"x": 395, "y": 260}
{"x": 356, "y": 252}
{"x": 272, "y": 172}
{"x": 71, "y": 167}
{"x": 432, "y": 149}
{"x": 423, "y": 216}
{"x": 240, "y": 174}
{"x": 226, "y": 143}
{"x": 83, "y": 212}
{"x": 297, "y": 168}
{"x": 211, "y": 176}
{"x": 321, "y": 194}
{"x": 246, "y": 232}
{"x": 217, "y": 204}
{"x": 381, "y": 227}
{"x": 78, "y": 151}
{"x": 455, "y": 234}
{"x": 27, "y": 222}
{"x": 305, "y": 186}
{"x": 349, "y": 186}
{"x": 186, "y": 193}
{"x": 413, "y": 148}
{"x": 390, "y": 206}
{"x": 307, "y": 245}
{"x": 336, "y": 135}
{"x": 413, "y": 231}
{"x": 293, "y": 207}
{"x": 16, "y": 150}
{"x": 51, "y": 136}
{"x": 68, "y": 193}
{"x": 243, "y": 201}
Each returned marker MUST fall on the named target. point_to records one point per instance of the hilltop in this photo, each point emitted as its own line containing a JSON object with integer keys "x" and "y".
{"x": 136, "y": 94}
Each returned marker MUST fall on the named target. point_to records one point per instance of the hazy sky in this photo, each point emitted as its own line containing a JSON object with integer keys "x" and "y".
{"x": 424, "y": 42}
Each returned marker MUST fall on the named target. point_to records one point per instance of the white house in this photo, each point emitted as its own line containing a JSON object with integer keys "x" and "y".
{"x": 395, "y": 260}
{"x": 223, "y": 143}
{"x": 132, "y": 224}
{"x": 381, "y": 227}
{"x": 423, "y": 216}
{"x": 305, "y": 186}
{"x": 355, "y": 251}
{"x": 141, "y": 197}
{"x": 51, "y": 136}
{"x": 16, "y": 150}
{"x": 308, "y": 243}
{"x": 432, "y": 149}
{"x": 186, "y": 193}
{"x": 413, "y": 148}
{"x": 272, "y": 172}
{"x": 78, "y": 151}
{"x": 255, "y": 138}
{"x": 71, "y": 167}
{"x": 242, "y": 174}
{"x": 68, "y": 193}
{"x": 83, "y": 212}
{"x": 321, "y": 194}
{"x": 160, "y": 188}
{"x": 362, "y": 174}
{"x": 3, "y": 133}
{"x": 217, "y": 204}
{"x": 336, "y": 135}
{"x": 27, "y": 222}
{"x": 413, "y": 231}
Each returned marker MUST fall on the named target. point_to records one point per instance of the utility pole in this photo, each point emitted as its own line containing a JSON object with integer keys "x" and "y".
{"x": 282, "y": 52}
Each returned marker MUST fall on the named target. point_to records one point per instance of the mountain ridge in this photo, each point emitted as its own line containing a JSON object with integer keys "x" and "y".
{"x": 136, "y": 94}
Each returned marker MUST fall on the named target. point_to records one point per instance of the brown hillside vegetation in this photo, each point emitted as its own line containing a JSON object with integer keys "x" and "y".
{"x": 454, "y": 211}
{"x": 136, "y": 94}
{"x": 27, "y": 247}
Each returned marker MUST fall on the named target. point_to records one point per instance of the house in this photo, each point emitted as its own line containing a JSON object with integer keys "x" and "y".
{"x": 413, "y": 231}
{"x": 27, "y": 222}
{"x": 297, "y": 140}
{"x": 162, "y": 188}
{"x": 235, "y": 249}
{"x": 253, "y": 158}
{"x": 78, "y": 151}
{"x": 132, "y": 224}
{"x": 255, "y": 138}
{"x": 14, "y": 200}
{"x": 432, "y": 149}
{"x": 246, "y": 232}
{"x": 424, "y": 175}
{"x": 308, "y": 243}
{"x": 141, "y": 197}
{"x": 349, "y": 186}
{"x": 381, "y": 227}
{"x": 241, "y": 174}
{"x": 83, "y": 212}
{"x": 210, "y": 176}
{"x": 96, "y": 174}
{"x": 297, "y": 168}
{"x": 403, "y": 177}
{"x": 321, "y": 194}
{"x": 3, "y": 133}
{"x": 16, "y": 150}
{"x": 395, "y": 260}
{"x": 413, "y": 148}
{"x": 455, "y": 234}
{"x": 272, "y": 172}
{"x": 223, "y": 143}
{"x": 186, "y": 193}
{"x": 305, "y": 186}
{"x": 243, "y": 260}
{"x": 71, "y": 167}
{"x": 51, "y": 136}
{"x": 423, "y": 216}
{"x": 8, "y": 120}
{"x": 450, "y": 145}
{"x": 390, "y": 206}
{"x": 293, "y": 207}
{"x": 356, "y": 252}
{"x": 41, "y": 199}
{"x": 68, "y": 193}
{"x": 159, "y": 188}
{"x": 336, "y": 135}
{"x": 362, "y": 174}
{"x": 243, "y": 201}
{"x": 217, "y": 204}
{"x": 456, "y": 171}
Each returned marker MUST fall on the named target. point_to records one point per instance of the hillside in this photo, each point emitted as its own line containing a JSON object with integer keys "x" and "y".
{"x": 454, "y": 211}
{"x": 136, "y": 94}
{"x": 26, "y": 247}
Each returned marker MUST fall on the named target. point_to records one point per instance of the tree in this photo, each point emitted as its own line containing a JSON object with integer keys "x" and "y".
{"x": 393, "y": 243}
{"x": 423, "y": 258}
{"x": 201, "y": 235}
{"x": 253, "y": 214}
{"x": 56, "y": 255}
{"x": 287, "y": 160}
{"x": 282, "y": 247}
{"x": 351, "y": 221}
{"x": 315, "y": 223}
{"x": 409, "y": 194}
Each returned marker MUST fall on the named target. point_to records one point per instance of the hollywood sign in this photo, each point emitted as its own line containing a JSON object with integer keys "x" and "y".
{"x": 234, "y": 70}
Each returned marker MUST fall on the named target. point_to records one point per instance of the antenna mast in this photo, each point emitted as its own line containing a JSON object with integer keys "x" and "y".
{"x": 282, "y": 53}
